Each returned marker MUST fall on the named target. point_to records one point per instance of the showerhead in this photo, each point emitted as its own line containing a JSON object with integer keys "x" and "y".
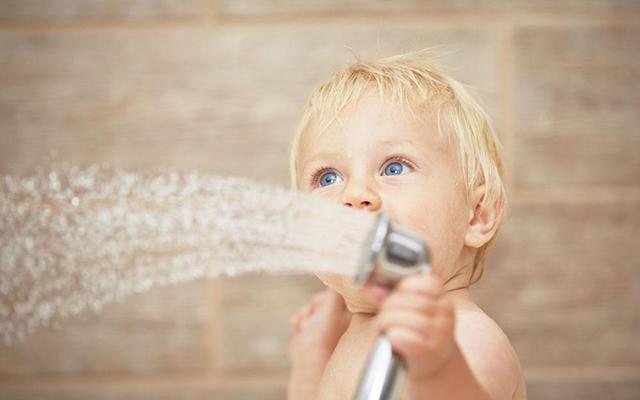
{"x": 392, "y": 254}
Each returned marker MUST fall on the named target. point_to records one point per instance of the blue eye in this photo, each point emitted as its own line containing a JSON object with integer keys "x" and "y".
{"x": 395, "y": 168}
{"x": 329, "y": 178}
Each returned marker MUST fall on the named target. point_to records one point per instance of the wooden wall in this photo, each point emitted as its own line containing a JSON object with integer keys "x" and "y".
{"x": 217, "y": 85}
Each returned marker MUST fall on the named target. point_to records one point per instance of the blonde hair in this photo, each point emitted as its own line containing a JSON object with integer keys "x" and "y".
{"x": 412, "y": 80}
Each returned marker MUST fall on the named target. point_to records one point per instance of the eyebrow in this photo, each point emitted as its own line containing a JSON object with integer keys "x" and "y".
{"x": 336, "y": 156}
{"x": 304, "y": 164}
{"x": 324, "y": 155}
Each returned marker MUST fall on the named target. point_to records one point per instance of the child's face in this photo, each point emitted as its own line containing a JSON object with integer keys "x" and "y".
{"x": 384, "y": 160}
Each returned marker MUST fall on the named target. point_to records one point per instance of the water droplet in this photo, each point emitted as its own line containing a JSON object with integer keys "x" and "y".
{"x": 105, "y": 234}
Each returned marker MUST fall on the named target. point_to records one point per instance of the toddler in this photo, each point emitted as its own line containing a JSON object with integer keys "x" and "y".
{"x": 397, "y": 136}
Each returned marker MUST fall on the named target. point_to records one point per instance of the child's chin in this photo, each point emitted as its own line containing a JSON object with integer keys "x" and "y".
{"x": 358, "y": 299}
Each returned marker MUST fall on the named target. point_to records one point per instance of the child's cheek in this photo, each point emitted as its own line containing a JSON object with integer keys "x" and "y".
{"x": 438, "y": 226}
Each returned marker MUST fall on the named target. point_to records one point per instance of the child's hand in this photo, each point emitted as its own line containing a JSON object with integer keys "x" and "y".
{"x": 419, "y": 321}
{"x": 316, "y": 329}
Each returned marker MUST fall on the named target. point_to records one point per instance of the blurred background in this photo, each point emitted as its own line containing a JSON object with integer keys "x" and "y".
{"x": 217, "y": 86}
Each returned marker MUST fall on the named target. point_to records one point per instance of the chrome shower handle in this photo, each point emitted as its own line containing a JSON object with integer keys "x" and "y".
{"x": 393, "y": 253}
{"x": 384, "y": 375}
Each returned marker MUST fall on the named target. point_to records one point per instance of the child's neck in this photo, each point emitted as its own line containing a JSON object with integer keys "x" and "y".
{"x": 460, "y": 296}
{"x": 457, "y": 288}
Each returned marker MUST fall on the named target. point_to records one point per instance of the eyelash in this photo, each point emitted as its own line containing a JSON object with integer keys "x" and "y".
{"x": 316, "y": 175}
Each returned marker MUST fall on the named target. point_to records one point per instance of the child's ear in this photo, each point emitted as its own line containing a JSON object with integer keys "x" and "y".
{"x": 483, "y": 222}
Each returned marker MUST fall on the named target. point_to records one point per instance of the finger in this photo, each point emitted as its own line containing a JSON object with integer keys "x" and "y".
{"x": 411, "y": 320}
{"x": 294, "y": 322}
{"x": 411, "y": 301}
{"x": 319, "y": 297}
{"x": 306, "y": 310}
{"x": 405, "y": 341}
{"x": 422, "y": 283}
{"x": 445, "y": 306}
{"x": 377, "y": 292}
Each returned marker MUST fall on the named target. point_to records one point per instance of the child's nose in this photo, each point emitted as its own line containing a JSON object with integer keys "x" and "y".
{"x": 361, "y": 197}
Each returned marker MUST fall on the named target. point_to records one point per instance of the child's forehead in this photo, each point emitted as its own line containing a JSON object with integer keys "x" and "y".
{"x": 373, "y": 123}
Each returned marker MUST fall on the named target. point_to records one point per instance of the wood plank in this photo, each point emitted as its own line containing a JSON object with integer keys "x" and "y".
{"x": 577, "y": 95}
{"x": 563, "y": 282}
{"x": 217, "y": 100}
{"x": 81, "y": 10}
{"x": 244, "y": 8}
{"x": 168, "y": 329}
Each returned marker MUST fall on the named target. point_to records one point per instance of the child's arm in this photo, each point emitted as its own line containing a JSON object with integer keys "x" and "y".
{"x": 303, "y": 382}
{"x": 316, "y": 328}
{"x": 419, "y": 321}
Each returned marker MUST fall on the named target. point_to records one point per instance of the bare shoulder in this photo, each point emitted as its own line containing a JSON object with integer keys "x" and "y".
{"x": 490, "y": 354}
